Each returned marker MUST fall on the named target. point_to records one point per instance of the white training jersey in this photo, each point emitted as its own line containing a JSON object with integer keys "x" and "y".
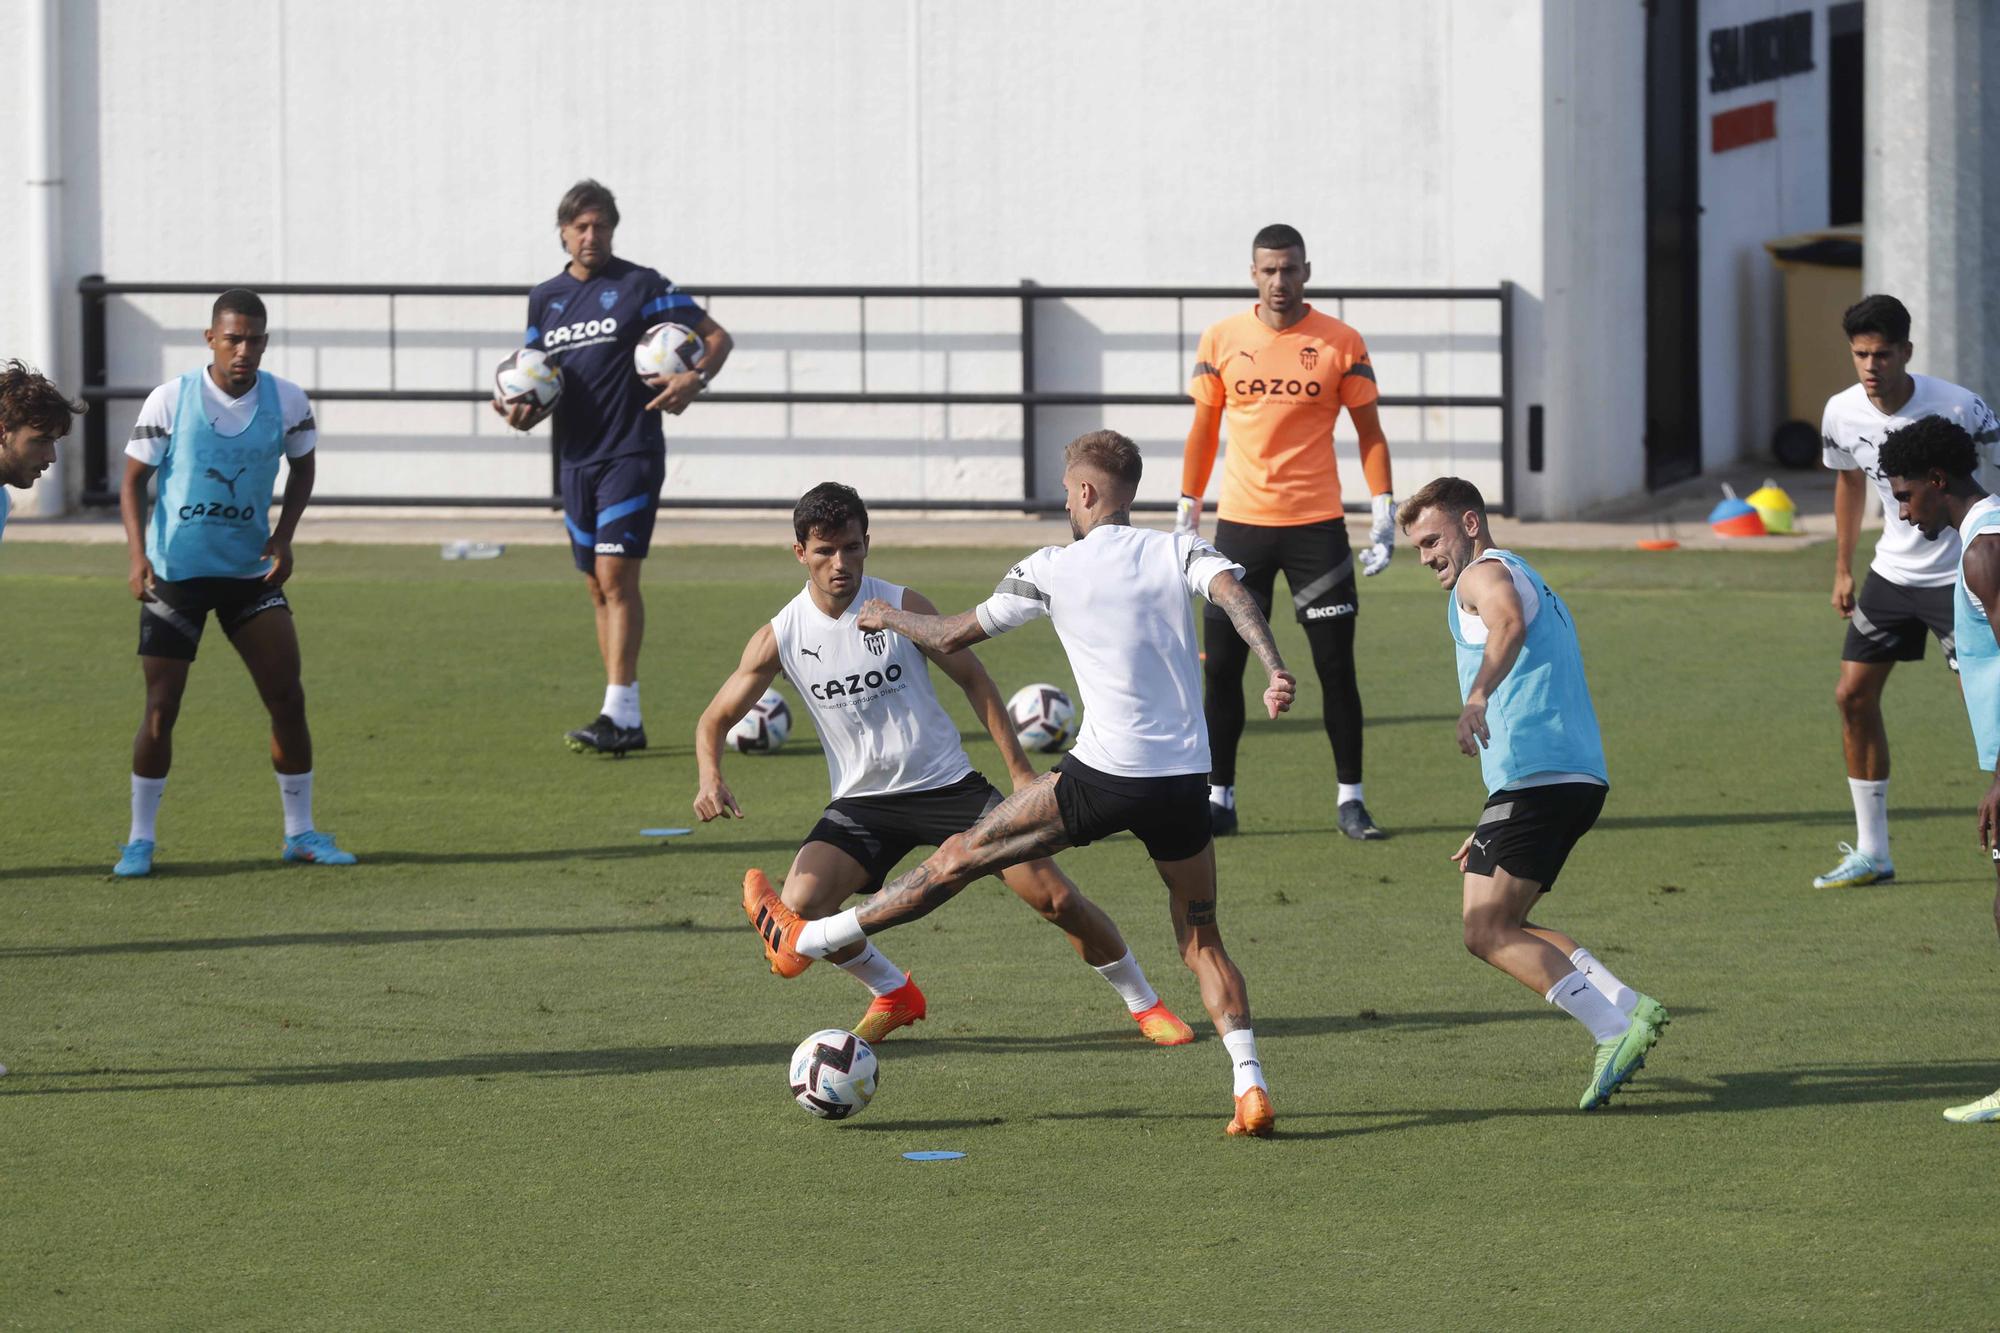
{"x": 1852, "y": 430}
{"x": 1119, "y": 600}
{"x": 879, "y": 720}
{"x": 229, "y": 416}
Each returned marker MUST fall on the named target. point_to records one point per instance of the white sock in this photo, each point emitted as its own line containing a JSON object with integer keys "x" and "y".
{"x": 873, "y": 969}
{"x": 1871, "y": 818}
{"x": 1600, "y": 976}
{"x": 1129, "y": 980}
{"x": 1222, "y": 796}
{"x": 831, "y": 934}
{"x": 621, "y": 704}
{"x": 296, "y": 790}
{"x": 146, "y": 793}
{"x": 1242, "y": 1045}
{"x": 1575, "y": 996}
{"x": 1349, "y": 791}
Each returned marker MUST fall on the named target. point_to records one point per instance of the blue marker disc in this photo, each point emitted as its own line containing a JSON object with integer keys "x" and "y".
{"x": 932, "y": 1156}
{"x": 664, "y": 832}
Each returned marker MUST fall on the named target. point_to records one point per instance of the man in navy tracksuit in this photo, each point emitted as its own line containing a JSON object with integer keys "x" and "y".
{"x": 587, "y": 319}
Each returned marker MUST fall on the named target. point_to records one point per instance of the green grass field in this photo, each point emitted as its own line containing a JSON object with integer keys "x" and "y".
{"x": 523, "y": 1068}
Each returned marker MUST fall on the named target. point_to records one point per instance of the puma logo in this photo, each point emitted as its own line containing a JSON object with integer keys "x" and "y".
{"x": 1480, "y": 845}
{"x": 230, "y": 482}
{"x": 813, "y": 653}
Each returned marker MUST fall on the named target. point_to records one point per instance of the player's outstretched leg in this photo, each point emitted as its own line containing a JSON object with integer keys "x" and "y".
{"x": 1191, "y": 901}
{"x": 1022, "y": 827}
{"x": 1497, "y": 932}
{"x": 1042, "y": 885}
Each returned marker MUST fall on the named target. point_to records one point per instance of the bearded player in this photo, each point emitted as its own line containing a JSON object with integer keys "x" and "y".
{"x": 1280, "y": 373}
{"x": 1529, "y": 720}
{"x": 900, "y": 778}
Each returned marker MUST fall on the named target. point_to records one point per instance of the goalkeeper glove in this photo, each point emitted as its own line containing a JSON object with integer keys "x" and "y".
{"x": 1381, "y": 532}
{"x": 1187, "y": 517}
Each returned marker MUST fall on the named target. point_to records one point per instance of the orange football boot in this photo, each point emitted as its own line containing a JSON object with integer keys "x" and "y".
{"x": 899, "y": 1008}
{"x": 1254, "y": 1115}
{"x": 776, "y": 924}
{"x": 1161, "y": 1027}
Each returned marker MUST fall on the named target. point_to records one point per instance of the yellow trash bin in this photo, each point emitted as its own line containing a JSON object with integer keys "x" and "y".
{"x": 1822, "y": 277}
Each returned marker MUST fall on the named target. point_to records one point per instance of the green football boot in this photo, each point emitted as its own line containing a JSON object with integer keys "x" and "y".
{"x": 1621, "y": 1057}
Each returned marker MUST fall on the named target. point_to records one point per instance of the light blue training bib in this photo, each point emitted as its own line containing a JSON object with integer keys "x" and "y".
{"x": 212, "y": 516}
{"x": 1540, "y": 718}
{"x": 1978, "y": 653}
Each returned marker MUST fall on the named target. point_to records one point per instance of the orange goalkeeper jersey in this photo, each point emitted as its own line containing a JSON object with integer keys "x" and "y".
{"x": 1283, "y": 390}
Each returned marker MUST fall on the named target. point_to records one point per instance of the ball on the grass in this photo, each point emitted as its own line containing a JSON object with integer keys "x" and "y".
{"x": 833, "y": 1074}
{"x": 1043, "y": 716}
{"x": 764, "y": 728}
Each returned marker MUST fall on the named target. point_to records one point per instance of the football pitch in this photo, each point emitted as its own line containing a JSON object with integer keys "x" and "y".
{"x": 523, "y": 1067}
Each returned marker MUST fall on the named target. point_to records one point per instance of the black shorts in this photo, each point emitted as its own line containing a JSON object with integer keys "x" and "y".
{"x": 609, "y": 507}
{"x": 1530, "y": 831}
{"x": 1169, "y": 815}
{"x": 1317, "y": 560}
{"x": 879, "y": 831}
{"x": 1890, "y": 621}
{"x": 171, "y": 624}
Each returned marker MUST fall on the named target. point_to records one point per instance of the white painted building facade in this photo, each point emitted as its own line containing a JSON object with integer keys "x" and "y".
{"x": 1421, "y": 143}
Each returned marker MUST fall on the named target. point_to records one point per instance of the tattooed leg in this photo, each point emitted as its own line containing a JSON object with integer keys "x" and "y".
{"x": 1191, "y": 900}
{"x": 1021, "y": 828}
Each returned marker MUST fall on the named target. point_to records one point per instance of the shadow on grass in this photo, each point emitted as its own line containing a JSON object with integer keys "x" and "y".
{"x": 354, "y": 938}
{"x": 1721, "y": 819}
{"x": 621, "y": 851}
{"x": 1940, "y": 1084}
{"x": 665, "y": 1059}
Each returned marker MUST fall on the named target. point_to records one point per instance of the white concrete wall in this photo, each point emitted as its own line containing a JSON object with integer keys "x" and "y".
{"x": 1418, "y": 142}
{"x": 1751, "y": 195}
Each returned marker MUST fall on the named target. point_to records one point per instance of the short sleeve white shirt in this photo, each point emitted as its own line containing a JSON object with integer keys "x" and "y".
{"x": 1852, "y": 431}
{"x": 229, "y": 416}
{"x": 1119, "y": 598}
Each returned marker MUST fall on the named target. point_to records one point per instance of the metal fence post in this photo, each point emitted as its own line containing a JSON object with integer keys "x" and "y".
{"x": 1507, "y": 399}
{"x": 1028, "y": 441}
{"x": 96, "y": 433}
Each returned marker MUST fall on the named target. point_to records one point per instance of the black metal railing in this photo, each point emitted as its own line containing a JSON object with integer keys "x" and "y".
{"x": 95, "y": 291}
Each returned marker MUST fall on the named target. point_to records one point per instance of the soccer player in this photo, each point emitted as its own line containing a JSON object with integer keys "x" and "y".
{"x": 900, "y": 778}
{"x": 1529, "y": 720}
{"x": 1907, "y": 593}
{"x": 215, "y": 437}
{"x": 1280, "y": 372}
{"x": 1119, "y": 598}
{"x": 34, "y": 414}
{"x": 1929, "y": 467}
{"x": 587, "y": 319}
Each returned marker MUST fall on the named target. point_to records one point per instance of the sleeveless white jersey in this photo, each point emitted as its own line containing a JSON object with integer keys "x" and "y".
{"x": 879, "y": 720}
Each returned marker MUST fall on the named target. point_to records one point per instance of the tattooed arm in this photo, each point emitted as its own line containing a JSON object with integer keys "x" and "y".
{"x": 1227, "y": 592}
{"x": 933, "y": 634}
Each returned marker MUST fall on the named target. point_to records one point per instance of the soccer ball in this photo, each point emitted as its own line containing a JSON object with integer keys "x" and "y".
{"x": 833, "y": 1074}
{"x": 667, "y": 349}
{"x": 1044, "y": 718}
{"x": 764, "y": 728}
{"x": 527, "y": 376}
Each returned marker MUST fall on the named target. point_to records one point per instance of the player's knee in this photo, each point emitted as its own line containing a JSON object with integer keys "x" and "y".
{"x": 953, "y": 857}
{"x": 287, "y": 701}
{"x": 1856, "y": 699}
{"x": 1482, "y": 937}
